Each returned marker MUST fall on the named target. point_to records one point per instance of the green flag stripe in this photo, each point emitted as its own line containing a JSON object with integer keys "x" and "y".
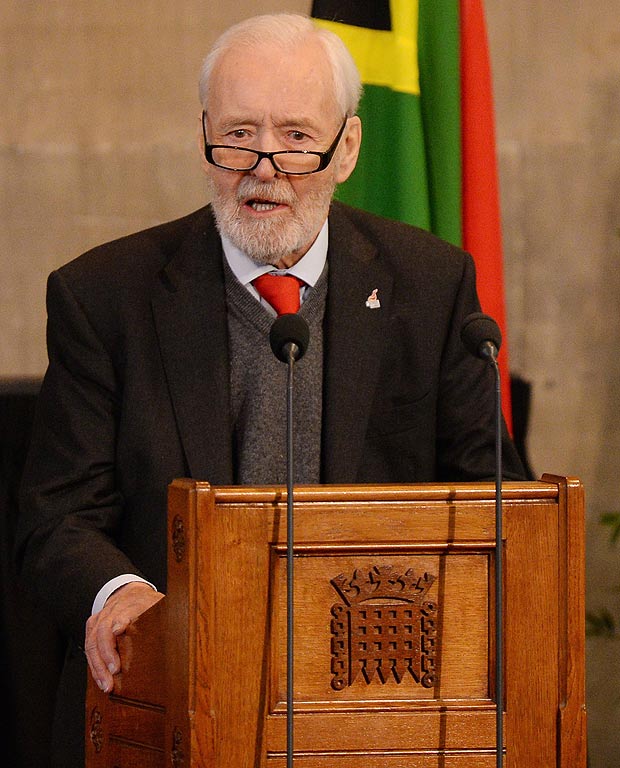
{"x": 410, "y": 163}
{"x": 439, "y": 57}
{"x": 390, "y": 177}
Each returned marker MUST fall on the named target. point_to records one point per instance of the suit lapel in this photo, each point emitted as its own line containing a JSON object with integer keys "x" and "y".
{"x": 353, "y": 345}
{"x": 189, "y": 307}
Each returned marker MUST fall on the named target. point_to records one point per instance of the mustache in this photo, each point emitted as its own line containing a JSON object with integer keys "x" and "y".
{"x": 276, "y": 191}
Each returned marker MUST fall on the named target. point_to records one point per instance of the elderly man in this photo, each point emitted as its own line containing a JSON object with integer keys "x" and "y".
{"x": 159, "y": 360}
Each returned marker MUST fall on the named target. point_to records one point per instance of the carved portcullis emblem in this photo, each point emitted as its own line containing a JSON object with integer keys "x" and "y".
{"x": 384, "y": 628}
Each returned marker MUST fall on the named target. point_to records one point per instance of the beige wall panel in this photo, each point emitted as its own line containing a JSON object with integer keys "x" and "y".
{"x": 97, "y": 136}
{"x": 557, "y": 86}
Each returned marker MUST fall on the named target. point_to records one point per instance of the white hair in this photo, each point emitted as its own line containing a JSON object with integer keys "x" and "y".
{"x": 287, "y": 31}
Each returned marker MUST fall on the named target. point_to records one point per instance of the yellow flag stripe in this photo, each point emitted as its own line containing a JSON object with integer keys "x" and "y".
{"x": 383, "y": 58}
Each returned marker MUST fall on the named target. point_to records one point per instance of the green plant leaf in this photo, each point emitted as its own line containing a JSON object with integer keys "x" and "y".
{"x": 612, "y": 521}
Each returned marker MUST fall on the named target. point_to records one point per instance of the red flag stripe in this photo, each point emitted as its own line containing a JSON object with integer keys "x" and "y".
{"x": 482, "y": 235}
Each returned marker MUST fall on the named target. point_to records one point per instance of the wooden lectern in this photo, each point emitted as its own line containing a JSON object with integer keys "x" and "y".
{"x": 394, "y": 632}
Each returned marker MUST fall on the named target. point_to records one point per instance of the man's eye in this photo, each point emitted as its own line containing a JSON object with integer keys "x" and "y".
{"x": 240, "y": 133}
{"x": 298, "y": 136}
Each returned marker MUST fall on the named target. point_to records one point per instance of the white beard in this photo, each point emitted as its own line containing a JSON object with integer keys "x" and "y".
{"x": 269, "y": 240}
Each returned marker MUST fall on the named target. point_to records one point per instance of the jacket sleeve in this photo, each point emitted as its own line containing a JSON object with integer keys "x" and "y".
{"x": 70, "y": 507}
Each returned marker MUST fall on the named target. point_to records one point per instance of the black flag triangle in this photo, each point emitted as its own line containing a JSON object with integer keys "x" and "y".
{"x": 372, "y": 14}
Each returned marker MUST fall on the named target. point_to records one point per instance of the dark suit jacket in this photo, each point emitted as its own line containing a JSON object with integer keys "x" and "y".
{"x": 137, "y": 394}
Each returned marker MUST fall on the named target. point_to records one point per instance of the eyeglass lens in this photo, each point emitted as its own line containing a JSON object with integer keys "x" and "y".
{"x": 241, "y": 159}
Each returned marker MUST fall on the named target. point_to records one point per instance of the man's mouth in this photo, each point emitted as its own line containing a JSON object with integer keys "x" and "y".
{"x": 263, "y": 198}
{"x": 260, "y": 206}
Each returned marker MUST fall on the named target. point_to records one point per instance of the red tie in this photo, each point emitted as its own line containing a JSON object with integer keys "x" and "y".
{"x": 281, "y": 291}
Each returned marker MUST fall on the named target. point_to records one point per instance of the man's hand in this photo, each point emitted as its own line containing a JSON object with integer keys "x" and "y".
{"x": 103, "y": 628}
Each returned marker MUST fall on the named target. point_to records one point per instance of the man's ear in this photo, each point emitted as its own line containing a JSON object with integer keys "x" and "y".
{"x": 349, "y": 149}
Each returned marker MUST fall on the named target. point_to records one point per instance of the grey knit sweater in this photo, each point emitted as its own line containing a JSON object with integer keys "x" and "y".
{"x": 259, "y": 390}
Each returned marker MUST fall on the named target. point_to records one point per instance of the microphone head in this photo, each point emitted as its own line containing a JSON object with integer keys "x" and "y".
{"x": 478, "y": 331}
{"x": 289, "y": 329}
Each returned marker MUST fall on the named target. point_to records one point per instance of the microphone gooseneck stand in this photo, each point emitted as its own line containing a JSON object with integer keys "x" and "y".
{"x": 482, "y": 337}
{"x": 499, "y": 573}
{"x": 289, "y": 338}
{"x": 290, "y": 528}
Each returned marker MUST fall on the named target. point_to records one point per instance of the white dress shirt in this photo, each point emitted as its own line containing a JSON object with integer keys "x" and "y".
{"x": 308, "y": 268}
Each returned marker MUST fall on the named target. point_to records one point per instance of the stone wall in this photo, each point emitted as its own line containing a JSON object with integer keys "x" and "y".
{"x": 557, "y": 88}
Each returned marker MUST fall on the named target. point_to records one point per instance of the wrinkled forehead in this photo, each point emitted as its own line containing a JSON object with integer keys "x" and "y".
{"x": 259, "y": 76}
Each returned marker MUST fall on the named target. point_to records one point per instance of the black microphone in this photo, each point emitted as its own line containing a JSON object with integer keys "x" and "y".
{"x": 289, "y": 335}
{"x": 481, "y": 336}
{"x": 289, "y": 338}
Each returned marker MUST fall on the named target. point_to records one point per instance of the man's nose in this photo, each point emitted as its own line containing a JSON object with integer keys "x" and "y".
{"x": 265, "y": 169}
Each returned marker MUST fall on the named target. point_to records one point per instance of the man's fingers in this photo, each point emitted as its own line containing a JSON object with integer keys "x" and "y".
{"x": 103, "y": 629}
{"x": 100, "y": 648}
{"x": 98, "y": 669}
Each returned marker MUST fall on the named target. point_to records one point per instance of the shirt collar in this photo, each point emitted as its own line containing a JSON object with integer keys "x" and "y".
{"x": 308, "y": 268}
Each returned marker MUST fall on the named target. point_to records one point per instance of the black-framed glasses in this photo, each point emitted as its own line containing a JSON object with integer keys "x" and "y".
{"x": 293, "y": 162}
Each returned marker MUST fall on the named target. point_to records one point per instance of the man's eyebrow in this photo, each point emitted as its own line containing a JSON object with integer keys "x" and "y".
{"x": 297, "y": 120}
{"x": 233, "y": 121}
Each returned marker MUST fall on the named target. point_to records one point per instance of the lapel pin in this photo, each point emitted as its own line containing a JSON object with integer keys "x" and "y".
{"x": 372, "y": 302}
